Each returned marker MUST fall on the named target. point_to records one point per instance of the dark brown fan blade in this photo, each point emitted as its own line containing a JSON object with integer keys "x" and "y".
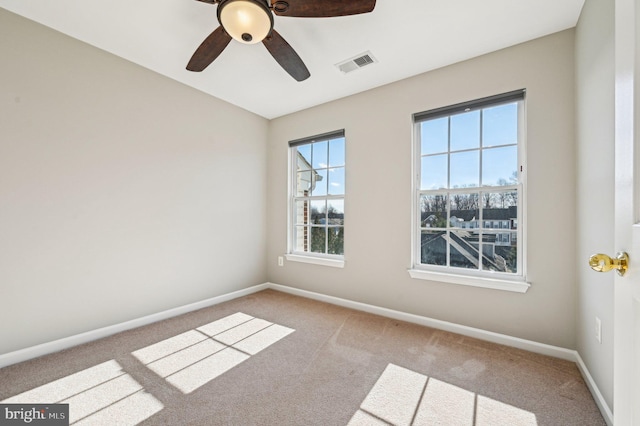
{"x": 209, "y": 50}
{"x": 286, "y": 56}
{"x": 321, "y": 8}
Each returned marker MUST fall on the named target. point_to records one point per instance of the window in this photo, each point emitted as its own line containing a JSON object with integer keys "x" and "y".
{"x": 469, "y": 190}
{"x": 317, "y": 179}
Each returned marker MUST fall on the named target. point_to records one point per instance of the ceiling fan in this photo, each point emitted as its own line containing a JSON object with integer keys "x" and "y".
{"x": 251, "y": 21}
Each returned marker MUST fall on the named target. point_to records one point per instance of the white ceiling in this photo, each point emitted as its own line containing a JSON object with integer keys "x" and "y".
{"x": 407, "y": 37}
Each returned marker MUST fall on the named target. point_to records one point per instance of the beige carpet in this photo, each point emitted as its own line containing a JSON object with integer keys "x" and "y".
{"x": 275, "y": 359}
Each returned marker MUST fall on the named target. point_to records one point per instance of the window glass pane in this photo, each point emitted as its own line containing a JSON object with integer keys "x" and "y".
{"x": 500, "y": 206}
{"x": 318, "y": 239}
{"x": 465, "y": 131}
{"x": 336, "y": 181}
{"x": 318, "y": 212}
{"x": 301, "y": 213}
{"x": 320, "y": 182}
{"x": 465, "y": 169}
{"x": 500, "y": 243}
{"x": 491, "y": 261}
{"x": 501, "y": 252}
{"x": 336, "y": 152}
{"x": 433, "y": 211}
{"x": 434, "y": 136}
{"x": 335, "y": 212}
{"x": 510, "y": 253}
{"x": 433, "y": 248}
{"x": 335, "y": 240}
{"x": 319, "y": 155}
{"x": 500, "y": 166}
{"x": 303, "y": 183}
{"x": 500, "y": 125}
{"x": 465, "y": 211}
{"x": 301, "y": 238}
{"x": 304, "y": 157}
{"x": 434, "y": 172}
{"x": 464, "y": 249}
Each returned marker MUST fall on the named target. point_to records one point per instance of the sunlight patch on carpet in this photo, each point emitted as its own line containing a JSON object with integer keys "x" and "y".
{"x": 202, "y": 372}
{"x": 492, "y": 412}
{"x": 395, "y": 395}
{"x": 97, "y": 395}
{"x": 194, "y": 358}
{"x": 404, "y": 397}
{"x": 106, "y": 394}
{"x": 443, "y": 403}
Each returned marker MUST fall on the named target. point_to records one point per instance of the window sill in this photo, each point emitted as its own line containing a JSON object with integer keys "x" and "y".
{"x": 334, "y": 263}
{"x": 483, "y": 282}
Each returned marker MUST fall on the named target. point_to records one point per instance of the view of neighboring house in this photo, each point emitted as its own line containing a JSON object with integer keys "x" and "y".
{"x": 496, "y": 232}
{"x": 305, "y": 182}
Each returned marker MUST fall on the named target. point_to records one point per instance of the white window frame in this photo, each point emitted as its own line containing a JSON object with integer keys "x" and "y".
{"x": 323, "y": 259}
{"x": 476, "y": 278}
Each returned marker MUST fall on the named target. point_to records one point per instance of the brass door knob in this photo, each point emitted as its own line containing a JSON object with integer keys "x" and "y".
{"x": 603, "y": 263}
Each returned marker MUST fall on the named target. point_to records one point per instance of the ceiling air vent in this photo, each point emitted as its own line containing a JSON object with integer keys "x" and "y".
{"x": 362, "y": 60}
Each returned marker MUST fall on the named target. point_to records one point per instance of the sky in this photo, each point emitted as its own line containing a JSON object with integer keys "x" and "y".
{"x": 469, "y": 149}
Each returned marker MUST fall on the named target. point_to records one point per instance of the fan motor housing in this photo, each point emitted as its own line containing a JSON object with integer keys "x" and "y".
{"x": 280, "y": 6}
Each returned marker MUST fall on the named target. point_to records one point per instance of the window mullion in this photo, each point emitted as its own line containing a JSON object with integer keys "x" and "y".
{"x": 326, "y": 207}
{"x": 448, "y": 230}
{"x": 449, "y": 152}
{"x": 480, "y": 229}
{"x": 481, "y": 150}
{"x": 505, "y": 188}
{"x": 480, "y": 194}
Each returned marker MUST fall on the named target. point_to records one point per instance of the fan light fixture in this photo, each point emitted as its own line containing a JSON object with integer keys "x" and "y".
{"x": 251, "y": 21}
{"x": 247, "y": 21}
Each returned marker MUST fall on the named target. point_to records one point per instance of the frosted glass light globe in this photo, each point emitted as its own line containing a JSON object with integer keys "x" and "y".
{"x": 246, "y": 21}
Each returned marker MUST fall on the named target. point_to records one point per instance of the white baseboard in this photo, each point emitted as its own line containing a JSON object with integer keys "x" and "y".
{"x": 597, "y": 395}
{"x": 78, "y": 339}
{"x": 528, "y": 345}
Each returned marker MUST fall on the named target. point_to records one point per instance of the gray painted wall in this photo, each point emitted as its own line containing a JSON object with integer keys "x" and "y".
{"x": 122, "y": 193}
{"x": 378, "y": 199}
{"x": 595, "y": 173}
